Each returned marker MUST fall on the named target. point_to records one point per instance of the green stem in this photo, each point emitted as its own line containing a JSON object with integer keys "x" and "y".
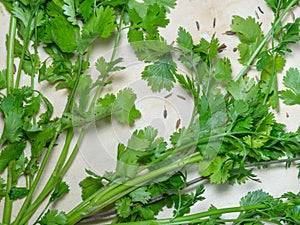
{"x": 198, "y": 217}
{"x": 7, "y": 210}
{"x": 25, "y": 47}
{"x": 73, "y": 91}
{"x": 50, "y": 183}
{"x": 10, "y": 54}
{"x": 106, "y": 197}
{"x": 36, "y": 181}
{"x": 265, "y": 40}
{"x": 8, "y": 202}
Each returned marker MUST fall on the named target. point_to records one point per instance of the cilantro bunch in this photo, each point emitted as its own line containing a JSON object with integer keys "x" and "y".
{"x": 232, "y": 129}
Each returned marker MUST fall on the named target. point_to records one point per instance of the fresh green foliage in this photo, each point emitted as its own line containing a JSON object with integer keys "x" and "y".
{"x": 17, "y": 193}
{"x": 52, "y": 217}
{"x": 232, "y": 128}
{"x": 250, "y": 35}
{"x": 291, "y": 81}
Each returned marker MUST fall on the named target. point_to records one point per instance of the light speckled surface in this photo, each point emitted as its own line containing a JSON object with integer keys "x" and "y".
{"x": 98, "y": 150}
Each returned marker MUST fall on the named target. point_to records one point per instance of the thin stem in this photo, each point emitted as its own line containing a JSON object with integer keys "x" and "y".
{"x": 10, "y": 54}
{"x": 36, "y": 180}
{"x": 198, "y": 217}
{"x": 8, "y": 202}
{"x": 25, "y": 47}
{"x": 105, "y": 197}
{"x": 51, "y": 182}
{"x": 73, "y": 91}
{"x": 265, "y": 40}
{"x": 7, "y": 211}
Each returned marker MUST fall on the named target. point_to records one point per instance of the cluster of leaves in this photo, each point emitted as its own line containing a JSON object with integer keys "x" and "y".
{"x": 284, "y": 209}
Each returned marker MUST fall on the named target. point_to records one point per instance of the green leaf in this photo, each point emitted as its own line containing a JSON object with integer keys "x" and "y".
{"x": 12, "y": 108}
{"x": 123, "y": 207}
{"x": 90, "y": 185}
{"x": 167, "y": 4}
{"x": 160, "y": 75}
{"x": 207, "y": 50}
{"x": 239, "y": 89}
{"x": 291, "y": 96}
{"x": 17, "y": 193}
{"x": 63, "y": 34}
{"x": 156, "y": 16}
{"x": 142, "y": 139}
{"x": 52, "y": 217}
{"x": 184, "y": 40}
{"x": 11, "y": 152}
{"x": 255, "y": 198}
{"x": 124, "y": 109}
{"x": 104, "y": 68}
{"x": 100, "y": 25}
{"x": 148, "y": 50}
{"x": 104, "y": 105}
{"x": 86, "y": 8}
{"x": 61, "y": 189}
{"x": 140, "y": 195}
{"x": 218, "y": 170}
{"x": 250, "y": 35}
{"x": 289, "y": 34}
{"x": 223, "y": 70}
{"x": 2, "y": 79}
{"x": 70, "y": 11}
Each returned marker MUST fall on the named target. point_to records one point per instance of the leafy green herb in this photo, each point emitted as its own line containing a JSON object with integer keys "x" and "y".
{"x": 231, "y": 131}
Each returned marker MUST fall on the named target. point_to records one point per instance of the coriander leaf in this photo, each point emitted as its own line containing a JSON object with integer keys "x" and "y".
{"x": 17, "y": 193}
{"x": 24, "y": 14}
{"x": 291, "y": 96}
{"x": 289, "y": 34}
{"x": 104, "y": 68}
{"x": 218, "y": 170}
{"x": 140, "y": 195}
{"x": 150, "y": 50}
{"x": 61, "y": 189}
{"x": 123, "y": 207}
{"x": 223, "y": 70}
{"x": 142, "y": 139}
{"x": 124, "y": 109}
{"x": 239, "y": 89}
{"x": 207, "y": 50}
{"x": 164, "y": 3}
{"x": 249, "y": 33}
{"x": 160, "y": 75}
{"x": 139, "y": 8}
{"x": 52, "y": 217}
{"x": 265, "y": 63}
{"x": 11, "y": 152}
{"x": 70, "y": 11}
{"x": 100, "y": 24}
{"x": 12, "y": 108}
{"x": 89, "y": 186}
{"x": 104, "y": 105}
{"x": 156, "y": 16}
{"x": 184, "y": 40}
{"x": 63, "y": 34}
{"x": 39, "y": 140}
{"x": 255, "y": 198}
{"x": 86, "y": 8}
